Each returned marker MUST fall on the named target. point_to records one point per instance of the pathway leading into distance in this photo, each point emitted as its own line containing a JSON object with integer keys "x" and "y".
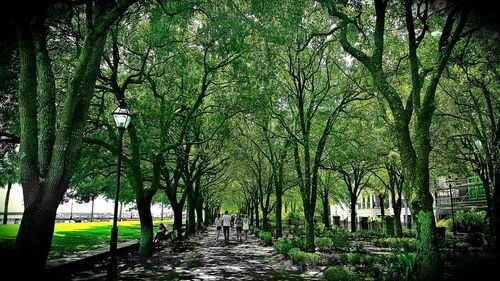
{"x": 247, "y": 260}
{"x": 215, "y": 260}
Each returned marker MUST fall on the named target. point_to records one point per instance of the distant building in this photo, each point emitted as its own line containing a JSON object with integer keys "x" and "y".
{"x": 368, "y": 206}
{"x": 461, "y": 193}
{"x": 466, "y": 193}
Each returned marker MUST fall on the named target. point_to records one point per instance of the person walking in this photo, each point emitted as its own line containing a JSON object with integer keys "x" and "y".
{"x": 226, "y": 224}
{"x": 246, "y": 226}
{"x": 238, "y": 222}
{"x": 232, "y": 222}
{"x": 218, "y": 225}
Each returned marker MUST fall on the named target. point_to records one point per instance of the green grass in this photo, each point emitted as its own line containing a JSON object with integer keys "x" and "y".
{"x": 71, "y": 237}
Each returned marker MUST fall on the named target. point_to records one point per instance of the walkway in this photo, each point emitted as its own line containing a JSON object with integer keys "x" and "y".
{"x": 203, "y": 258}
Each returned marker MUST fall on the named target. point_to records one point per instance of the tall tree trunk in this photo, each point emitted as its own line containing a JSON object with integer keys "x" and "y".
{"x": 428, "y": 265}
{"x": 199, "y": 215}
{"x": 177, "y": 209}
{"x": 92, "y": 210}
{"x": 146, "y": 240}
{"x": 382, "y": 207}
{"x": 326, "y": 213}
{"x": 353, "y": 212}
{"x": 279, "y": 203}
{"x": 208, "y": 216}
{"x": 265, "y": 219}
{"x": 251, "y": 214}
{"x": 191, "y": 214}
{"x": 309, "y": 228}
{"x": 120, "y": 215}
{"x": 257, "y": 223}
{"x": 39, "y": 234}
{"x": 489, "y": 201}
{"x": 6, "y": 208}
{"x": 161, "y": 213}
{"x": 198, "y": 203}
{"x": 396, "y": 206}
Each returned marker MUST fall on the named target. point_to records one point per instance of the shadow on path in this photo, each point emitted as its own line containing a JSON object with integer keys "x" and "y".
{"x": 203, "y": 258}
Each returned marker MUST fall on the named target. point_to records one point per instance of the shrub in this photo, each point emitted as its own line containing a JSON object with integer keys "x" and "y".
{"x": 409, "y": 244}
{"x": 339, "y": 273}
{"x": 297, "y": 256}
{"x": 344, "y": 258}
{"x": 475, "y": 239}
{"x": 266, "y": 237}
{"x": 302, "y": 258}
{"x": 340, "y": 243}
{"x": 470, "y": 221}
{"x": 352, "y": 258}
{"x": 360, "y": 246}
{"x": 298, "y": 243}
{"x": 283, "y": 246}
{"x": 324, "y": 243}
{"x": 407, "y": 262}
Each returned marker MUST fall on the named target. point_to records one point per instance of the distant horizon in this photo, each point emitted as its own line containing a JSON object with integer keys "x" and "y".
{"x": 101, "y": 204}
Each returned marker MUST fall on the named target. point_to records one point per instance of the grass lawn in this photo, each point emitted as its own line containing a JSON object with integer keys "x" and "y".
{"x": 71, "y": 237}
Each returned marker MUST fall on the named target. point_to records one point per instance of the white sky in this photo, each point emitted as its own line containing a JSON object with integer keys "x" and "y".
{"x": 100, "y": 204}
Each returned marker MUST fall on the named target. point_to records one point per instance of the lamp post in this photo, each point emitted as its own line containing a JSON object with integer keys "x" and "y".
{"x": 452, "y": 211}
{"x": 122, "y": 120}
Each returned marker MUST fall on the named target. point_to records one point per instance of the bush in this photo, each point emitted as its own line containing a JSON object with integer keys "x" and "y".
{"x": 340, "y": 243}
{"x": 470, "y": 221}
{"x": 303, "y": 258}
{"x": 297, "y": 256}
{"x": 266, "y": 237}
{"x": 298, "y": 243}
{"x": 475, "y": 239}
{"x": 366, "y": 234}
{"x": 360, "y": 246}
{"x": 352, "y": 258}
{"x": 339, "y": 273}
{"x": 283, "y": 246}
{"x": 408, "y": 244}
{"x": 324, "y": 243}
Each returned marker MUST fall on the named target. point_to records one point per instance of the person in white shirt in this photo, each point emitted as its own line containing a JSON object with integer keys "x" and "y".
{"x": 218, "y": 225}
{"x": 246, "y": 226}
{"x": 226, "y": 224}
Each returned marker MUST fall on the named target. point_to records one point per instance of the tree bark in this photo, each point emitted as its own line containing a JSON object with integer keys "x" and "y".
{"x": 92, "y": 211}
{"x": 309, "y": 228}
{"x": 326, "y": 212}
{"x": 279, "y": 203}
{"x": 396, "y": 207}
{"x": 146, "y": 240}
{"x": 257, "y": 223}
{"x": 46, "y": 169}
{"x": 382, "y": 207}
{"x": 354, "y": 199}
{"x": 177, "y": 208}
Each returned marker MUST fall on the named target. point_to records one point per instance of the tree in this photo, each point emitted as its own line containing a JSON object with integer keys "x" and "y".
{"x": 393, "y": 180}
{"x": 473, "y": 107}
{"x": 49, "y": 147}
{"x": 426, "y": 59}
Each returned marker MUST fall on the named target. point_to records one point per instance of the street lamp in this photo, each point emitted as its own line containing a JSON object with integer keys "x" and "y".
{"x": 122, "y": 120}
{"x": 451, "y": 203}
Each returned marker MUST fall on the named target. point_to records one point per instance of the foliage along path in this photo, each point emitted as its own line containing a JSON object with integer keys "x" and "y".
{"x": 203, "y": 258}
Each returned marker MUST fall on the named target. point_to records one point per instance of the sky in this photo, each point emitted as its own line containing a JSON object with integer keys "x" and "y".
{"x": 100, "y": 204}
